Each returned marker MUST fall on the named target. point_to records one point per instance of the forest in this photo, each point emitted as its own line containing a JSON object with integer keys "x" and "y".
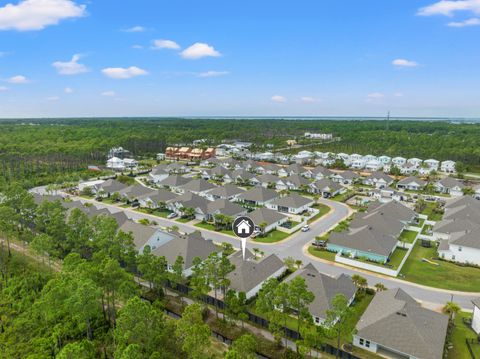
{"x": 43, "y": 151}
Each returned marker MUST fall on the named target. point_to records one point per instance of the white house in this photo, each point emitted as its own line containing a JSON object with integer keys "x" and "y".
{"x": 293, "y": 204}
{"x": 358, "y": 164}
{"x": 411, "y": 184}
{"x": 399, "y": 161}
{"x": 447, "y": 167}
{"x": 373, "y": 165}
{"x": 449, "y": 185}
{"x": 415, "y": 161}
{"x": 118, "y": 164}
{"x": 432, "y": 163}
{"x": 385, "y": 159}
{"x": 476, "y": 316}
{"x": 368, "y": 158}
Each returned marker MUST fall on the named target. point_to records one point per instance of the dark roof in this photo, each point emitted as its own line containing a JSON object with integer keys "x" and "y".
{"x": 395, "y": 320}
{"x": 174, "y": 181}
{"x": 293, "y": 200}
{"x": 258, "y": 194}
{"x": 266, "y": 215}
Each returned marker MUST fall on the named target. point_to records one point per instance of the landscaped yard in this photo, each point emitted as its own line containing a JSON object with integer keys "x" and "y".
{"x": 397, "y": 257}
{"x": 184, "y": 220}
{"x": 445, "y": 275}
{"x": 343, "y": 197}
{"x": 323, "y": 254}
{"x": 323, "y": 210}
{"x": 461, "y": 332}
{"x": 211, "y": 227}
{"x": 429, "y": 211}
{"x": 272, "y": 237}
{"x": 408, "y": 236}
{"x": 157, "y": 212}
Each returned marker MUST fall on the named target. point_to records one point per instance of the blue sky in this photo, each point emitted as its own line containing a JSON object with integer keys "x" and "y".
{"x": 234, "y": 58}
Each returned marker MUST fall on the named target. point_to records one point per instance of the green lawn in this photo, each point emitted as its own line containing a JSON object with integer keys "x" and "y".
{"x": 459, "y": 334}
{"x": 446, "y": 275}
{"x": 184, "y": 220}
{"x": 323, "y": 254}
{"x": 323, "y": 210}
{"x": 211, "y": 227}
{"x": 156, "y": 212}
{"x": 408, "y": 236}
{"x": 430, "y": 206}
{"x": 397, "y": 257}
{"x": 343, "y": 197}
{"x": 272, "y": 237}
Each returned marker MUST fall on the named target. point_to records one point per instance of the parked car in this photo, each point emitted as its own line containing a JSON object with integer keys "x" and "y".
{"x": 305, "y": 228}
{"x": 319, "y": 243}
{"x": 172, "y": 215}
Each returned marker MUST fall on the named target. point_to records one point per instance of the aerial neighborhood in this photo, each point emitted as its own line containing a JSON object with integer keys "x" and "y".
{"x": 382, "y": 213}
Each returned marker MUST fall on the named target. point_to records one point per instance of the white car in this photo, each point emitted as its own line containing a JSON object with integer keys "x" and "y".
{"x": 305, "y": 228}
{"x": 172, "y": 215}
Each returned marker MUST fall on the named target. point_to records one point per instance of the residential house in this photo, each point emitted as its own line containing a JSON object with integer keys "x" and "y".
{"x": 411, "y": 184}
{"x": 107, "y": 188}
{"x": 292, "y": 204}
{"x": 385, "y": 160}
{"x": 324, "y": 288}
{"x": 143, "y": 235}
{"x": 326, "y": 188}
{"x": 399, "y": 161}
{"x": 134, "y": 192}
{"x": 228, "y": 191}
{"x": 174, "y": 182}
{"x": 345, "y": 177}
{"x": 189, "y": 200}
{"x": 449, "y": 185}
{"x": 119, "y": 164}
{"x": 257, "y": 196}
{"x": 318, "y": 173}
{"x": 476, "y": 316}
{"x": 296, "y": 182}
{"x": 187, "y": 246}
{"x": 447, "y": 167}
{"x": 241, "y": 176}
{"x": 373, "y": 234}
{"x": 158, "y": 174}
{"x": 272, "y": 219}
{"x": 267, "y": 180}
{"x": 226, "y": 208}
{"x": 457, "y": 232}
{"x": 250, "y": 273}
{"x": 358, "y": 164}
{"x": 156, "y": 199}
{"x": 373, "y": 165}
{"x": 396, "y": 326}
{"x": 415, "y": 161}
{"x": 409, "y": 169}
{"x": 197, "y": 186}
{"x": 431, "y": 163}
{"x": 378, "y": 179}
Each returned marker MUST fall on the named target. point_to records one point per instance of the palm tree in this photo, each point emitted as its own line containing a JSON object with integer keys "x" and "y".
{"x": 451, "y": 308}
{"x": 189, "y": 212}
{"x": 380, "y": 287}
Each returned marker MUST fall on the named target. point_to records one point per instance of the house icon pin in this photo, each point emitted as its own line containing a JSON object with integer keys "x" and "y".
{"x": 244, "y": 227}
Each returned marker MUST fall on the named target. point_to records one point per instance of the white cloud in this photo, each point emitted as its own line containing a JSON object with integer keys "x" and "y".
{"x": 137, "y": 47}
{"x": 135, "y": 29}
{"x": 3, "y": 88}
{"x": 199, "y": 50}
{"x": 450, "y": 7}
{"x": 72, "y": 67}
{"x": 52, "y": 98}
{"x": 212, "y": 74}
{"x": 474, "y": 21}
{"x": 404, "y": 63}
{"x": 108, "y": 93}
{"x": 123, "y": 73}
{"x": 68, "y": 90}
{"x": 278, "y": 99}
{"x": 165, "y": 44}
{"x": 308, "y": 99}
{"x": 37, "y": 14}
{"x": 375, "y": 97}
{"x": 18, "y": 79}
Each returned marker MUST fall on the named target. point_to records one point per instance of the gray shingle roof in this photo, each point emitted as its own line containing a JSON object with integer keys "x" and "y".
{"x": 266, "y": 215}
{"x": 449, "y": 182}
{"x": 160, "y": 195}
{"x": 476, "y": 302}
{"x": 198, "y": 185}
{"x": 249, "y": 273}
{"x": 136, "y": 191}
{"x": 412, "y": 179}
{"x": 395, "y": 320}
{"x": 326, "y": 184}
{"x": 225, "y": 207}
{"x": 191, "y": 200}
{"x": 258, "y": 194}
{"x": 174, "y": 181}
{"x": 324, "y": 288}
{"x": 293, "y": 200}
{"x": 111, "y": 186}
{"x": 226, "y": 191}
{"x": 188, "y": 247}
{"x": 141, "y": 233}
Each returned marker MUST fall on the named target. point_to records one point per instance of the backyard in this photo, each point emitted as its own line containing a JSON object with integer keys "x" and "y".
{"x": 439, "y": 274}
{"x": 408, "y": 236}
{"x": 460, "y": 333}
{"x": 429, "y": 210}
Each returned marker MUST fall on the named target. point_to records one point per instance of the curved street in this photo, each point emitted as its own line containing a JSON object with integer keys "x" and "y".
{"x": 295, "y": 246}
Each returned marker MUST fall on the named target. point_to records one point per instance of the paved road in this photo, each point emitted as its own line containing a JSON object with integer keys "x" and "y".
{"x": 295, "y": 247}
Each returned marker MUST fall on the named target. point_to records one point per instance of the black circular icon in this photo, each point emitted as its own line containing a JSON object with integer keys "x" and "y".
{"x": 243, "y": 227}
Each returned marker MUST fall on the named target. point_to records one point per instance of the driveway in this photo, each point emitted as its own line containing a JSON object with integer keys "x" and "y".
{"x": 295, "y": 245}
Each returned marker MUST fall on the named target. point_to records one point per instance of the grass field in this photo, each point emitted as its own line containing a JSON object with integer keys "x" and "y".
{"x": 272, "y": 237}
{"x": 459, "y": 334}
{"x": 323, "y": 211}
{"x": 211, "y": 227}
{"x": 408, "y": 236}
{"x": 329, "y": 256}
{"x": 446, "y": 275}
{"x": 432, "y": 216}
